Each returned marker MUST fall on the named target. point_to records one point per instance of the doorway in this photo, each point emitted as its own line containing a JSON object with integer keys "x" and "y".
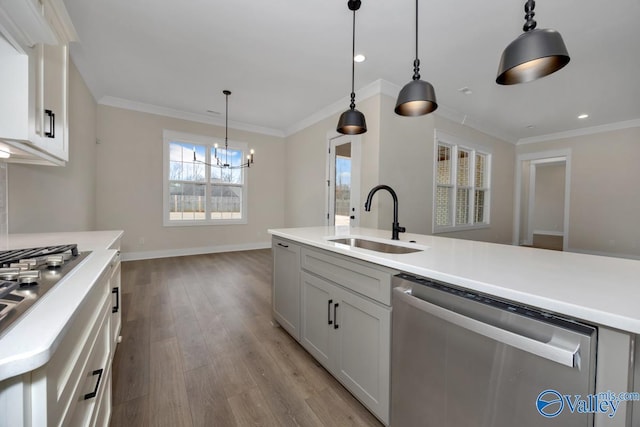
{"x": 542, "y": 200}
{"x": 343, "y": 181}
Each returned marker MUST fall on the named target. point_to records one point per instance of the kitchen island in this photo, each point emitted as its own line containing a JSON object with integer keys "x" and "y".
{"x": 600, "y": 291}
{"x": 74, "y": 326}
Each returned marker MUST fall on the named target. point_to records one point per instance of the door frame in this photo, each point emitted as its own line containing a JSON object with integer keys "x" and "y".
{"x": 334, "y": 139}
{"x": 537, "y": 158}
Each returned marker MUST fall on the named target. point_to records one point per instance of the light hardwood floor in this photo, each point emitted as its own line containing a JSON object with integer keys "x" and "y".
{"x": 199, "y": 349}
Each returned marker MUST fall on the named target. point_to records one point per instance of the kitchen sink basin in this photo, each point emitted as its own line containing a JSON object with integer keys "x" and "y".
{"x": 375, "y": 246}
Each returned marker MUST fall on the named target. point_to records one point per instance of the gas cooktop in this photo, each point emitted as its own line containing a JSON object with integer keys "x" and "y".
{"x": 27, "y": 274}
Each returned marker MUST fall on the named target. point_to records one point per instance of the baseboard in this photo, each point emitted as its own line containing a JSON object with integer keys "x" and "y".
{"x": 168, "y": 253}
{"x": 548, "y": 233}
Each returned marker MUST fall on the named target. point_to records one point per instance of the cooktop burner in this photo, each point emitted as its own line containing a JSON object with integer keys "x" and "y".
{"x": 27, "y": 274}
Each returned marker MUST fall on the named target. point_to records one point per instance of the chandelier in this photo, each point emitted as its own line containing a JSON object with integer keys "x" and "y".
{"x": 223, "y": 160}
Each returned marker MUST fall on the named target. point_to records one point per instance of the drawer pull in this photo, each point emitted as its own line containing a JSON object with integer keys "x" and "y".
{"x": 52, "y": 124}
{"x": 91, "y": 395}
{"x": 283, "y": 245}
{"x": 116, "y": 291}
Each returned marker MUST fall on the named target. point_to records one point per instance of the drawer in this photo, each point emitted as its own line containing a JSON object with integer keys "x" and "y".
{"x": 94, "y": 389}
{"x": 359, "y": 277}
{"x": 55, "y": 385}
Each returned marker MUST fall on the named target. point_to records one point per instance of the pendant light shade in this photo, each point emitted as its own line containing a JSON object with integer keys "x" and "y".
{"x": 352, "y": 121}
{"x": 417, "y": 97}
{"x": 534, "y": 54}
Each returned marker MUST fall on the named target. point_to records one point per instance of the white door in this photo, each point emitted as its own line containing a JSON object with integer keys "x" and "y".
{"x": 343, "y": 181}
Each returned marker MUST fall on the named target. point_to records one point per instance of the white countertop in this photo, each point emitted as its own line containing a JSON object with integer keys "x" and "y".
{"x": 31, "y": 341}
{"x": 596, "y": 289}
{"x": 86, "y": 240}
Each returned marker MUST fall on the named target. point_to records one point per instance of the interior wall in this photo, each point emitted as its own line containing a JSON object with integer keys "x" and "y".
{"x": 548, "y": 213}
{"x": 306, "y": 162}
{"x": 604, "y": 205}
{"x": 52, "y": 198}
{"x": 130, "y": 184}
{"x": 406, "y": 165}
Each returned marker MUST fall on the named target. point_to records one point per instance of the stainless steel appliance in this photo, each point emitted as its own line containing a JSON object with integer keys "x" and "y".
{"x": 27, "y": 274}
{"x": 463, "y": 359}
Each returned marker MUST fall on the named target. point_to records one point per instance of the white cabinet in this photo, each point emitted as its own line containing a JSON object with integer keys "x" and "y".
{"x": 338, "y": 308}
{"x": 73, "y": 388}
{"x": 286, "y": 285}
{"x": 34, "y": 83}
{"x": 115, "y": 284}
{"x": 351, "y": 336}
{"x": 69, "y": 389}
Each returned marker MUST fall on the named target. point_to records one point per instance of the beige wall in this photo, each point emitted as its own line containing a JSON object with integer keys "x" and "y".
{"x": 604, "y": 202}
{"x": 306, "y": 160}
{"x": 396, "y": 151}
{"x": 548, "y": 214}
{"x": 130, "y": 179}
{"x": 51, "y": 198}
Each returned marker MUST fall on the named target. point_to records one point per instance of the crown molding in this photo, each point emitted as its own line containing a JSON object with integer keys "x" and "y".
{"x": 384, "y": 87}
{"x": 184, "y": 115}
{"x": 372, "y": 89}
{"x": 580, "y": 132}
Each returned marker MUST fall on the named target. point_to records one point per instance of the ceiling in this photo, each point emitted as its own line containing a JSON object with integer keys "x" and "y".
{"x": 286, "y": 60}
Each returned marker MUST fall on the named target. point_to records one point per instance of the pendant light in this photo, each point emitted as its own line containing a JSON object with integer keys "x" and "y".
{"x": 219, "y": 162}
{"x": 417, "y": 97}
{"x": 352, "y": 121}
{"x": 534, "y": 54}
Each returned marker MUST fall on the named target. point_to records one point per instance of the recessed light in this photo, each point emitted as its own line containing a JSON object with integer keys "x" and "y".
{"x": 359, "y": 58}
{"x": 465, "y": 90}
{"x": 529, "y": 126}
{"x": 583, "y": 116}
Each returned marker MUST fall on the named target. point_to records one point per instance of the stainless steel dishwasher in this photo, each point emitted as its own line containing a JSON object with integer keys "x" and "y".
{"x": 462, "y": 359}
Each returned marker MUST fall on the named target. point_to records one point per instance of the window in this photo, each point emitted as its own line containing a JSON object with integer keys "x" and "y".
{"x": 197, "y": 194}
{"x": 461, "y": 199}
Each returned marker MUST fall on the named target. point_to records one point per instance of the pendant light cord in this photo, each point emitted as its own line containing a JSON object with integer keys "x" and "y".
{"x": 226, "y": 130}
{"x": 416, "y": 62}
{"x": 353, "y": 63}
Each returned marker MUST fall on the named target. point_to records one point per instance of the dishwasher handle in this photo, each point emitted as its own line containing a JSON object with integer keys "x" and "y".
{"x": 563, "y": 356}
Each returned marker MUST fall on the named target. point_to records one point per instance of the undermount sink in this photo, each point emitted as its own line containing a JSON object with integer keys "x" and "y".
{"x": 375, "y": 246}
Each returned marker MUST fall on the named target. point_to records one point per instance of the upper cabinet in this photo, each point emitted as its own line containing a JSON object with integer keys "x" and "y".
{"x": 35, "y": 83}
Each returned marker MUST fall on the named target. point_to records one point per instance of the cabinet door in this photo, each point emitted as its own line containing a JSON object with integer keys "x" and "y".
{"x": 286, "y": 286}
{"x": 116, "y": 301}
{"x": 52, "y": 106}
{"x": 317, "y": 331}
{"x": 363, "y": 350}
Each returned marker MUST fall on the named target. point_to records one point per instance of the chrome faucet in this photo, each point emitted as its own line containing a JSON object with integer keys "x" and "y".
{"x": 367, "y": 207}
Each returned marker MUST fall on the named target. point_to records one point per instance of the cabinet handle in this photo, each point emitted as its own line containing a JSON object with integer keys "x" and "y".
{"x": 335, "y": 318}
{"x": 116, "y": 291}
{"x": 329, "y": 321}
{"x": 283, "y": 245}
{"x": 52, "y": 124}
{"x": 91, "y": 395}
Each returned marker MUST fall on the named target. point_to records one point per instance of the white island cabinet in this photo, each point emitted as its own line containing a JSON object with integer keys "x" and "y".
{"x": 342, "y": 309}
{"x": 55, "y": 362}
{"x": 349, "y": 285}
{"x": 286, "y": 288}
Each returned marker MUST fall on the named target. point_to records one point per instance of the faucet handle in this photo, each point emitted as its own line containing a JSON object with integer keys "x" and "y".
{"x": 401, "y": 229}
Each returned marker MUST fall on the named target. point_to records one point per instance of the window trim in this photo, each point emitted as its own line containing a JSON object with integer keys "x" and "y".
{"x": 169, "y": 136}
{"x": 442, "y": 138}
